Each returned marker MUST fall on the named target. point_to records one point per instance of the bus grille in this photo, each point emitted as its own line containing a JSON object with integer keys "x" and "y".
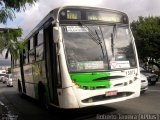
{"x": 103, "y": 97}
{"x": 100, "y": 87}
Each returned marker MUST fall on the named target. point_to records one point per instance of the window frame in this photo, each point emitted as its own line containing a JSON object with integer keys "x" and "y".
{"x": 39, "y": 44}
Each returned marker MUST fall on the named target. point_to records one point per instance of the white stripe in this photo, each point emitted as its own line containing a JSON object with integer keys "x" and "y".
{"x": 157, "y": 82}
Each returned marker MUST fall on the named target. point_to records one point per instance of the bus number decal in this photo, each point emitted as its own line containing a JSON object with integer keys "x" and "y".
{"x": 130, "y": 72}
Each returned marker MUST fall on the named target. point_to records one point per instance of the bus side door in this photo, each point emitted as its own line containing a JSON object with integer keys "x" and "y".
{"x": 51, "y": 64}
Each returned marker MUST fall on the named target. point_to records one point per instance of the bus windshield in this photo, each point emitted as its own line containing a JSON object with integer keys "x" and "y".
{"x": 98, "y": 48}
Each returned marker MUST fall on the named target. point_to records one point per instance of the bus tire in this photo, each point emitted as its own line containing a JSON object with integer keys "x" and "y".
{"x": 42, "y": 96}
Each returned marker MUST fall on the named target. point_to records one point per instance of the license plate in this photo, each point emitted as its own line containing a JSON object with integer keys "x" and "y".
{"x": 111, "y": 93}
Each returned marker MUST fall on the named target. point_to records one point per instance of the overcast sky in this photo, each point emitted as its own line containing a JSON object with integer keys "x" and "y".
{"x": 134, "y": 8}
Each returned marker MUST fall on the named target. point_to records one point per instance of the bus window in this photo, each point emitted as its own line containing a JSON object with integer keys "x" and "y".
{"x": 31, "y": 43}
{"x": 40, "y": 37}
{"x": 32, "y": 56}
{"x": 35, "y": 40}
{"x": 39, "y": 52}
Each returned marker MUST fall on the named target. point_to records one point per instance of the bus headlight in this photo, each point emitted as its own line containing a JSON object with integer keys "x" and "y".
{"x": 92, "y": 88}
{"x": 84, "y": 87}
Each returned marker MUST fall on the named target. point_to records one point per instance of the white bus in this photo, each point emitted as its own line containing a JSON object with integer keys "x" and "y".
{"x": 79, "y": 56}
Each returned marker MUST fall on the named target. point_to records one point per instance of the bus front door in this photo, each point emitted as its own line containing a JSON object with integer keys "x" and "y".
{"x": 51, "y": 65}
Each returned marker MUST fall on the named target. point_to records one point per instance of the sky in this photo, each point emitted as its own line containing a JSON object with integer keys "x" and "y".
{"x": 29, "y": 18}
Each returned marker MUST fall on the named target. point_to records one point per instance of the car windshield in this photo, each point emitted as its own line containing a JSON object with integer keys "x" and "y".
{"x": 99, "y": 47}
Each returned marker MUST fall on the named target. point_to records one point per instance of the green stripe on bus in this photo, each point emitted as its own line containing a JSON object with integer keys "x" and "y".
{"x": 92, "y": 80}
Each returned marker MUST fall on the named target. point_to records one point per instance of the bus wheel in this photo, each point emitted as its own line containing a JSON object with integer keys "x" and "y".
{"x": 42, "y": 96}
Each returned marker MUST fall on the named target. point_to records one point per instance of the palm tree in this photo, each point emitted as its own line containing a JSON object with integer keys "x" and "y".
{"x": 8, "y": 7}
{"x": 9, "y": 37}
{"x": 9, "y": 42}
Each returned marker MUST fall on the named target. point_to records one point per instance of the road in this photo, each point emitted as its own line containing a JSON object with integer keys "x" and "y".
{"x": 13, "y": 107}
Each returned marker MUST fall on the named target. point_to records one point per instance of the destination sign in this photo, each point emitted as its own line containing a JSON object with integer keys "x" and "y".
{"x": 93, "y": 15}
{"x": 102, "y": 16}
{"x": 73, "y": 15}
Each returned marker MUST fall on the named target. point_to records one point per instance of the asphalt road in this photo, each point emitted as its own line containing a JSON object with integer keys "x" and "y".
{"x": 13, "y": 107}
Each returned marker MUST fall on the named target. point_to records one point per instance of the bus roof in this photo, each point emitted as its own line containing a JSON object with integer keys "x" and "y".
{"x": 53, "y": 16}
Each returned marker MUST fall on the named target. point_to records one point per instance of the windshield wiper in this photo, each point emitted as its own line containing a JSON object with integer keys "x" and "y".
{"x": 113, "y": 36}
{"x": 100, "y": 42}
{"x": 95, "y": 39}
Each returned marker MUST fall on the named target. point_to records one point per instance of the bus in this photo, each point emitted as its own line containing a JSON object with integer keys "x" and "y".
{"x": 79, "y": 56}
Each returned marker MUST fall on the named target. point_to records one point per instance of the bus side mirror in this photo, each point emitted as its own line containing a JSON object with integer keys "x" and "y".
{"x": 56, "y": 35}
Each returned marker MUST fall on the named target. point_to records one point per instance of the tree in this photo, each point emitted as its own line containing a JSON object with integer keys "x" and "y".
{"x": 8, "y": 7}
{"x": 9, "y": 37}
{"x": 9, "y": 42}
{"x": 146, "y": 31}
